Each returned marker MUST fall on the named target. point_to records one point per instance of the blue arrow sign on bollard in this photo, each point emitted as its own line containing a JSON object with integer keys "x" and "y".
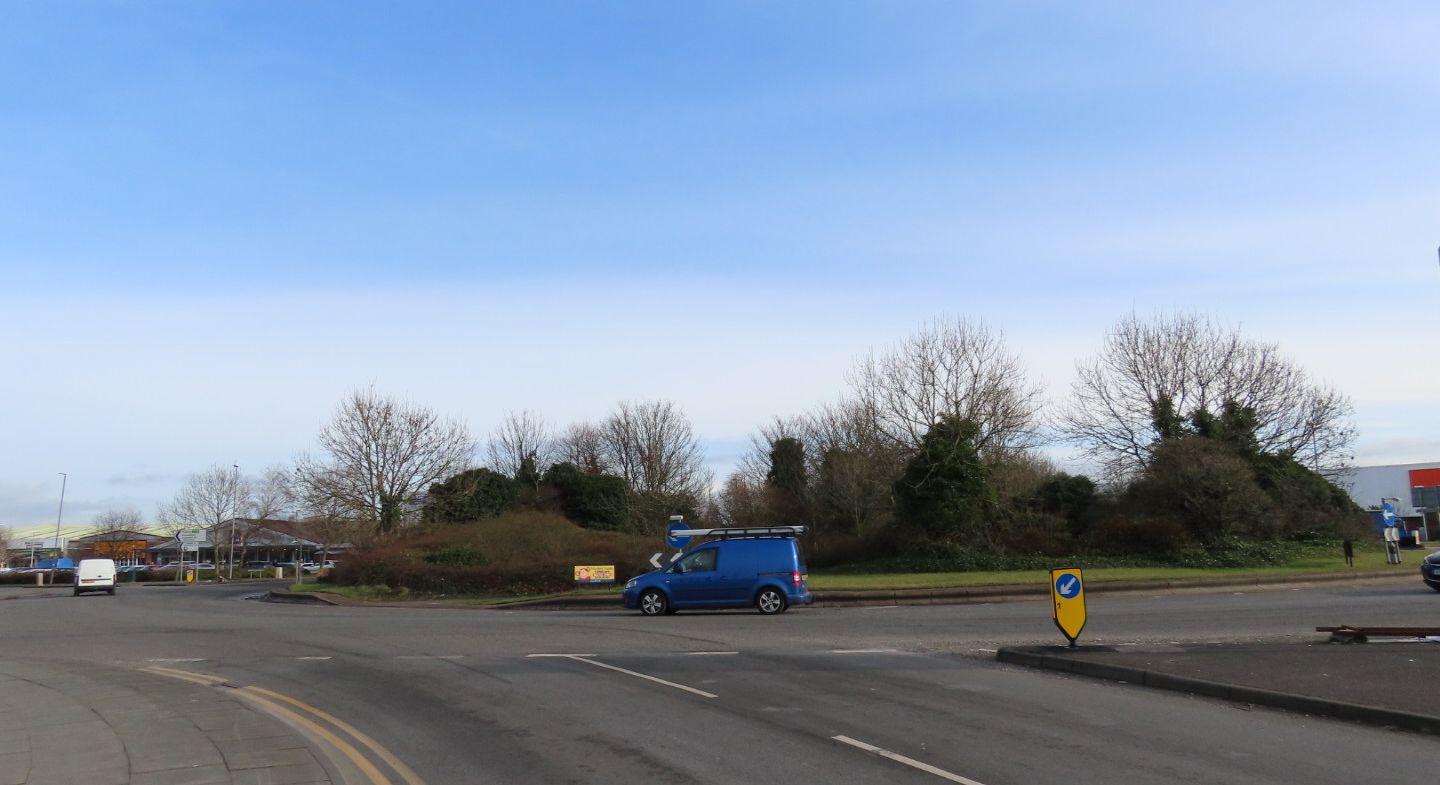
{"x": 1068, "y": 586}
{"x": 677, "y": 541}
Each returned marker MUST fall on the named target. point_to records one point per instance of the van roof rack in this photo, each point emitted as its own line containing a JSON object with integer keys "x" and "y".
{"x": 742, "y": 531}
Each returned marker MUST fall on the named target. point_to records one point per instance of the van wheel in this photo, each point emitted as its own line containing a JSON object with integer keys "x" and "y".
{"x": 77, "y": 592}
{"x": 653, "y": 603}
{"x": 770, "y": 601}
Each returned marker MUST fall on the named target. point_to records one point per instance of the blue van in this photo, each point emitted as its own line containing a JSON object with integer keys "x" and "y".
{"x": 742, "y": 567}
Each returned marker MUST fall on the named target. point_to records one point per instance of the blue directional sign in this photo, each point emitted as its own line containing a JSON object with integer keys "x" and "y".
{"x": 1067, "y": 596}
{"x": 674, "y": 540}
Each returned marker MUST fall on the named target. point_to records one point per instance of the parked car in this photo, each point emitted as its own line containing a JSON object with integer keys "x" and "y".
{"x": 765, "y": 570}
{"x": 257, "y": 565}
{"x": 1430, "y": 571}
{"x": 314, "y": 567}
{"x": 95, "y": 575}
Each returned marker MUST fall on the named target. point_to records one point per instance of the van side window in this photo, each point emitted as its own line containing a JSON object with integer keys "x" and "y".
{"x": 699, "y": 561}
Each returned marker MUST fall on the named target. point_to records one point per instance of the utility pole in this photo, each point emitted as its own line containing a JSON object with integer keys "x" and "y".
{"x": 59, "y": 551}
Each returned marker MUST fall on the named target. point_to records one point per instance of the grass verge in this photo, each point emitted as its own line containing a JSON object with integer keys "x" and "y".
{"x": 1364, "y": 560}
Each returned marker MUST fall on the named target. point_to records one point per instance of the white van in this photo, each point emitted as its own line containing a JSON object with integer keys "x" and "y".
{"x": 95, "y": 575}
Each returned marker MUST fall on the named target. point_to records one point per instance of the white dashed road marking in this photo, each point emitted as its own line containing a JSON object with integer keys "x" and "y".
{"x": 911, "y": 762}
{"x": 585, "y": 659}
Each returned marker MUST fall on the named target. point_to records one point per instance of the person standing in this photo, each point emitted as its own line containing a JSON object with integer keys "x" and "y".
{"x": 1349, "y": 548}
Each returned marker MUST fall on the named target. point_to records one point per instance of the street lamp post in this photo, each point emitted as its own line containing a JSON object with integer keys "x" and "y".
{"x": 234, "y": 511}
{"x": 64, "y": 478}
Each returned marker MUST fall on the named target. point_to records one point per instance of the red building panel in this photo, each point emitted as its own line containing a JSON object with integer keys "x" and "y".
{"x": 1425, "y": 478}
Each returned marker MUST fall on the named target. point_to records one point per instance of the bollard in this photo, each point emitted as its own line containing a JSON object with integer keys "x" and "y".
{"x": 39, "y": 579}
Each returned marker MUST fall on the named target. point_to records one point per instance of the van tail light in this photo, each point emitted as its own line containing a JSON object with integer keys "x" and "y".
{"x": 797, "y": 577}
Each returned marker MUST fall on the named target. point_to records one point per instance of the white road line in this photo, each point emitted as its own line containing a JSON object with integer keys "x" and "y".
{"x": 708, "y": 653}
{"x": 428, "y": 656}
{"x": 692, "y": 690}
{"x": 176, "y": 659}
{"x": 312, "y": 658}
{"x": 898, "y": 758}
{"x": 863, "y": 651}
{"x": 562, "y": 655}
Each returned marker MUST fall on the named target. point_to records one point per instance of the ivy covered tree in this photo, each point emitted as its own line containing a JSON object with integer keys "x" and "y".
{"x": 470, "y": 496}
{"x": 787, "y": 481}
{"x": 595, "y": 501}
{"x": 942, "y": 493}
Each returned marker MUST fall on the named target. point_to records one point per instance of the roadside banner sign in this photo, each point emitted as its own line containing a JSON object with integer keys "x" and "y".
{"x": 603, "y": 573}
{"x": 1067, "y": 597}
{"x": 677, "y": 541}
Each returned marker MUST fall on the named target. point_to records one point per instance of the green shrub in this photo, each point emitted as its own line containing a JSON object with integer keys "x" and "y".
{"x": 456, "y": 557}
{"x": 518, "y": 553}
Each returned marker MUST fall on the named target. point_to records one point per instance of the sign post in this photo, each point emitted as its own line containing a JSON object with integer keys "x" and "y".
{"x": 189, "y": 541}
{"x": 1067, "y": 597}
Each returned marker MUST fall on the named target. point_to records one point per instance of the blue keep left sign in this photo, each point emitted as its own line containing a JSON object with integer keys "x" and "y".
{"x": 677, "y": 540}
{"x": 1068, "y": 586}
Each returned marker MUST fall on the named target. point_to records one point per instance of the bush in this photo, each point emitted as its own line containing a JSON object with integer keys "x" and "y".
{"x": 61, "y": 578}
{"x": 518, "y": 553}
{"x": 1152, "y": 536}
{"x": 595, "y": 501}
{"x": 456, "y": 557}
{"x": 470, "y": 496}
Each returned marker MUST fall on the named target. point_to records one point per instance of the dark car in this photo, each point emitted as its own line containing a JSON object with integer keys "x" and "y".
{"x": 1430, "y": 571}
{"x": 740, "y": 569}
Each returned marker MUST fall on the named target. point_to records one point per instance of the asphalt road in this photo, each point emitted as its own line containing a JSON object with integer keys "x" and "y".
{"x": 845, "y": 695}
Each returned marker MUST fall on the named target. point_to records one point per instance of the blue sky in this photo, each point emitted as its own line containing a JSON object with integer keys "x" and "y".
{"x": 216, "y": 218}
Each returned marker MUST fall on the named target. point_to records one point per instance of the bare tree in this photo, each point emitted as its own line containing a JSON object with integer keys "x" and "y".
{"x": 849, "y": 462}
{"x": 1187, "y": 363}
{"x": 742, "y": 502}
{"x": 522, "y": 435}
{"x": 853, "y": 464}
{"x": 379, "y": 454}
{"x": 653, "y": 446}
{"x": 331, "y": 523}
{"x": 274, "y": 494}
{"x": 117, "y": 520}
{"x": 950, "y": 367}
{"x": 583, "y": 444}
{"x": 207, "y": 499}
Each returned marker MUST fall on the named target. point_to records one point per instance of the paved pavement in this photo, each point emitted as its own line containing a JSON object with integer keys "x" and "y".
{"x": 98, "y": 725}
{"x": 1388, "y": 683}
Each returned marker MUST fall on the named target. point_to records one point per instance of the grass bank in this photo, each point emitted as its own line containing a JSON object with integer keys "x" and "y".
{"x": 1365, "y": 560}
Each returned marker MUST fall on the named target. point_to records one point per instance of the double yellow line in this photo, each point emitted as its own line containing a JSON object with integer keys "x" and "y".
{"x": 310, "y": 719}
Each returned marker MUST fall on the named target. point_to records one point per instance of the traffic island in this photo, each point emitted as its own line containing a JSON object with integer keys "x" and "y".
{"x": 1384, "y": 685}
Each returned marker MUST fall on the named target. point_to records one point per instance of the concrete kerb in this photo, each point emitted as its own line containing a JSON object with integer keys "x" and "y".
{"x": 1038, "y": 657}
{"x": 307, "y": 597}
{"x": 947, "y": 596}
